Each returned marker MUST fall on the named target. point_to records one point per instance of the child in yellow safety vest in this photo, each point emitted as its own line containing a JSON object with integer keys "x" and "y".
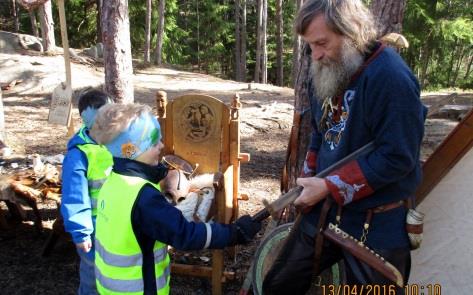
{"x": 135, "y": 222}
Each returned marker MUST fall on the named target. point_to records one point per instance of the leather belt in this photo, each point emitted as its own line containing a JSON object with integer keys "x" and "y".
{"x": 387, "y": 207}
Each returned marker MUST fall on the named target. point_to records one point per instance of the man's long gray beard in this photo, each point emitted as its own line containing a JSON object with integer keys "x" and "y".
{"x": 332, "y": 78}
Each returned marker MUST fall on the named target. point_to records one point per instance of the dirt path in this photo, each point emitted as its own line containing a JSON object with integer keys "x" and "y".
{"x": 266, "y": 118}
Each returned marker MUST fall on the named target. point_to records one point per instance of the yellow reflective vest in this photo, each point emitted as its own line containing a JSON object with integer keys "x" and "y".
{"x": 118, "y": 257}
{"x": 99, "y": 163}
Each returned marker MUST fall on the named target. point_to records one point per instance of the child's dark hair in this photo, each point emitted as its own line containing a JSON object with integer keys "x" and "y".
{"x": 94, "y": 99}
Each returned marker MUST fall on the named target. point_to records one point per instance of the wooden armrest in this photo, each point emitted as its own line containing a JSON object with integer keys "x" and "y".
{"x": 243, "y": 197}
{"x": 244, "y": 157}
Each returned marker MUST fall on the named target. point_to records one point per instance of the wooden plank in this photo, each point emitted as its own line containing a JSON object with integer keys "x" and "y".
{"x": 225, "y": 157}
{"x": 217, "y": 271}
{"x": 234, "y": 158}
{"x": 199, "y": 271}
{"x": 226, "y": 205}
{"x": 168, "y": 130}
{"x": 447, "y": 154}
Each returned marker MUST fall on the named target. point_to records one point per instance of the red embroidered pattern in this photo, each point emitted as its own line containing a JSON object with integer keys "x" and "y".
{"x": 348, "y": 184}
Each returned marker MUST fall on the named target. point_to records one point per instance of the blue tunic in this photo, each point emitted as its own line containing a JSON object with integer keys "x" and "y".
{"x": 382, "y": 104}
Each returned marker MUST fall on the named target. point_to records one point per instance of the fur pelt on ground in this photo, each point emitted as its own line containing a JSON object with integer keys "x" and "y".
{"x": 195, "y": 206}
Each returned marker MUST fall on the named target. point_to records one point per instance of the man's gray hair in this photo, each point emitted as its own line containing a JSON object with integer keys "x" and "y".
{"x": 113, "y": 119}
{"x": 345, "y": 17}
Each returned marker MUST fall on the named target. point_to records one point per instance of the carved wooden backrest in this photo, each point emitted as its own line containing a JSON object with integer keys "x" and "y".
{"x": 197, "y": 130}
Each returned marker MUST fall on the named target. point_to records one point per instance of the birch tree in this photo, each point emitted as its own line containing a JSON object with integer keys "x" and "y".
{"x": 160, "y": 32}
{"x": 259, "y": 36}
{"x": 243, "y": 41}
{"x": 237, "y": 40}
{"x": 146, "y": 57}
{"x": 261, "y": 73}
{"x": 279, "y": 44}
{"x": 264, "y": 47}
{"x": 296, "y": 55}
{"x": 98, "y": 4}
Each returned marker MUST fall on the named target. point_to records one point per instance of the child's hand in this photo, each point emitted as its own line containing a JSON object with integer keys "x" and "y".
{"x": 84, "y": 246}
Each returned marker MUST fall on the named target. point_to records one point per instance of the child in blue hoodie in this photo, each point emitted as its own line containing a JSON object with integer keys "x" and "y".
{"x": 85, "y": 168}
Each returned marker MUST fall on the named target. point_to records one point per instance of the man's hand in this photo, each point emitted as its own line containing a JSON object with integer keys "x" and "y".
{"x": 315, "y": 189}
{"x": 85, "y": 246}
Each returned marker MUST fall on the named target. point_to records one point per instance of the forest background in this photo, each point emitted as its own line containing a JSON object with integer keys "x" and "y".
{"x": 250, "y": 40}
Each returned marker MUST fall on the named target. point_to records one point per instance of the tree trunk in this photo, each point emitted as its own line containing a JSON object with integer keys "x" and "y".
{"x": 16, "y": 16}
{"x": 47, "y": 26}
{"x": 296, "y": 55}
{"x": 243, "y": 42}
{"x": 146, "y": 57}
{"x": 237, "y": 40}
{"x": 301, "y": 130}
{"x": 160, "y": 32}
{"x": 98, "y": 4}
{"x": 388, "y": 15}
{"x": 427, "y": 50}
{"x": 2, "y": 121}
{"x": 468, "y": 68}
{"x": 198, "y": 35}
{"x": 264, "y": 57}
{"x": 279, "y": 44}
{"x": 460, "y": 56}
{"x": 424, "y": 59}
{"x": 34, "y": 23}
{"x": 117, "y": 50}
{"x": 259, "y": 33}
{"x": 452, "y": 61}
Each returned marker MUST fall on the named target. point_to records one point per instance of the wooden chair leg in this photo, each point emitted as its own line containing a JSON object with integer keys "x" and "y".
{"x": 3, "y": 220}
{"x": 217, "y": 271}
{"x": 37, "y": 215}
{"x": 49, "y": 244}
{"x": 16, "y": 211}
{"x": 56, "y": 232}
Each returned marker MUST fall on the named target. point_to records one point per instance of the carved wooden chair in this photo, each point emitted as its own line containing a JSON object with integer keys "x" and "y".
{"x": 205, "y": 132}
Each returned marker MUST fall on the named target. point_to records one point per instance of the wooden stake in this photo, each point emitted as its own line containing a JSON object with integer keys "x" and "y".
{"x": 67, "y": 60}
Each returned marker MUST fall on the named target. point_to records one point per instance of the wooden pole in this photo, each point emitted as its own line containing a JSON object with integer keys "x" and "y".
{"x": 67, "y": 60}
{"x": 65, "y": 42}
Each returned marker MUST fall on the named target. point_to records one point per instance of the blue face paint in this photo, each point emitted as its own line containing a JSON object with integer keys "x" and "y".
{"x": 88, "y": 116}
{"x": 141, "y": 135}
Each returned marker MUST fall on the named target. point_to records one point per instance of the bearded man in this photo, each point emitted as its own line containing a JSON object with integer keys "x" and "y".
{"x": 362, "y": 92}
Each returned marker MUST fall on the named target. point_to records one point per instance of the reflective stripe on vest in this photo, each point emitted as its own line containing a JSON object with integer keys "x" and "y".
{"x": 126, "y": 286}
{"x": 96, "y": 184}
{"x": 99, "y": 162}
{"x": 118, "y": 256}
{"x": 125, "y": 261}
